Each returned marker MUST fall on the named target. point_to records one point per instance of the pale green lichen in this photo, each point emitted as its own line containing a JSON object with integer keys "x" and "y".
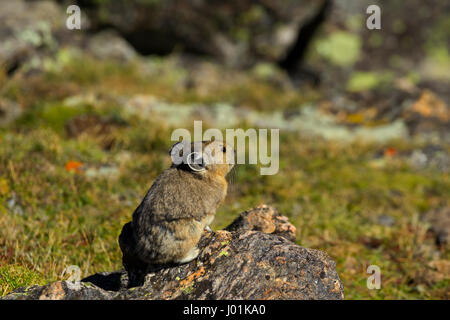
{"x": 223, "y": 253}
{"x": 340, "y": 48}
{"x": 363, "y": 81}
{"x": 188, "y": 290}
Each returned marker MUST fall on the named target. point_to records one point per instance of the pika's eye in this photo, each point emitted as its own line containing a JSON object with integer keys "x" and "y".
{"x": 224, "y": 149}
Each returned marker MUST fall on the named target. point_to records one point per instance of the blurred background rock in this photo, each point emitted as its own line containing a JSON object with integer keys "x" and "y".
{"x": 362, "y": 75}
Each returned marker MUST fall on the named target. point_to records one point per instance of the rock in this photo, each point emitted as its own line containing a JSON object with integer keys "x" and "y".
{"x": 306, "y": 119}
{"x": 238, "y": 264}
{"x": 430, "y": 157}
{"x": 237, "y": 32}
{"x": 31, "y": 32}
{"x": 9, "y": 111}
{"x": 364, "y": 65}
{"x": 109, "y": 172}
{"x": 266, "y": 219}
{"x": 432, "y": 272}
{"x": 428, "y": 114}
{"x": 386, "y": 220}
{"x": 439, "y": 220}
{"x": 345, "y": 44}
{"x": 109, "y": 45}
{"x": 27, "y": 28}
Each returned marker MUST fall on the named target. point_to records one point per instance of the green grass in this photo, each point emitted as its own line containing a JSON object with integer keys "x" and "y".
{"x": 17, "y": 276}
{"x": 332, "y": 192}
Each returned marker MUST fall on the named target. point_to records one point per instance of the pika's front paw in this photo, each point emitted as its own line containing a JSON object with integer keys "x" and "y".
{"x": 191, "y": 255}
{"x": 208, "y": 229}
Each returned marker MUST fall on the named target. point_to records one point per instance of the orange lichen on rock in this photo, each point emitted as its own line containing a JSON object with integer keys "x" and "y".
{"x": 54, "y": 291}
{"x": 192, "y": 277}
{"x": 431, "y": 106}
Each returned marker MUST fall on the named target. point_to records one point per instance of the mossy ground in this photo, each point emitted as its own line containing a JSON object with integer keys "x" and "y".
{"x": 53, "y": 214}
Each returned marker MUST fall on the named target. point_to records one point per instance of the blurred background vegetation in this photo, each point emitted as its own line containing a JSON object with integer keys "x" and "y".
{"x": 86, "y": 117}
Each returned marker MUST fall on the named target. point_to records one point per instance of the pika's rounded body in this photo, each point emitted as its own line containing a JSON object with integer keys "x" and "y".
{"x": 168, "y": 224}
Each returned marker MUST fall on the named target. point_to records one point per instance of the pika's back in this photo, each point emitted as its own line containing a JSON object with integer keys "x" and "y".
{"x": 180, "y": 194}
{"x": 192, "y": 187}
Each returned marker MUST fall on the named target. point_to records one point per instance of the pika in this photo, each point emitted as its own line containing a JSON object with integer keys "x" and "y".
{"x": 181, "y": 203}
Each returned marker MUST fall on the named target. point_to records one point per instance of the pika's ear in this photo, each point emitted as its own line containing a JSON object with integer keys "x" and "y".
{"x": 178, "y": 150}
{"x": 176, "y": 147}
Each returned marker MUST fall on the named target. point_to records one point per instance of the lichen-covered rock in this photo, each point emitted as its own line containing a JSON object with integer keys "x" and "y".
{"x": 9, "y": 111}
{"x": 439, "y": 220}
{"x": 266, "y": 219}
{"x": 241, "y": 264}
{"x": 32, "y": 32}
{"x": 110, "y": 45}
{"x": 361, "y": 74}
{"x": 237, "y": 32}
{"x": 25, "y": 28}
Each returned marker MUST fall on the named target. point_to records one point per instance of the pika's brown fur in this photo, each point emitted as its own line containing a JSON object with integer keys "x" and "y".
{"x": 181, "y": 203}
